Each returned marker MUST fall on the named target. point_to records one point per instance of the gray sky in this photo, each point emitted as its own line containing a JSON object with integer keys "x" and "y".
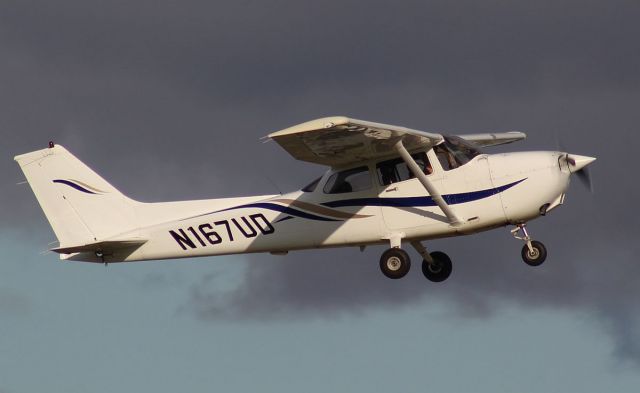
{"x": 167, "y": 100}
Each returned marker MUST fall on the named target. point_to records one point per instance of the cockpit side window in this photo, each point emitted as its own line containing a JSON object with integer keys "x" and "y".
{"x": 396, "y": 170}
{"x": 455, "y": 152}
{"x": 461, "y": 149}
{"x": 311, "y": 187}
{"x": 446, "y": 158}
{"x": 350, "y": 180}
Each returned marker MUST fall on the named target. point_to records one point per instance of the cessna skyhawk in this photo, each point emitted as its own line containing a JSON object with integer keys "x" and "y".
{"x": 384, "y": 185}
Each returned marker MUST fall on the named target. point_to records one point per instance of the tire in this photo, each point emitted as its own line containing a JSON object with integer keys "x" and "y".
{"x": 440, "y": 269}
{"x": 395, "y": 263}
{"x": 538, "y": 256}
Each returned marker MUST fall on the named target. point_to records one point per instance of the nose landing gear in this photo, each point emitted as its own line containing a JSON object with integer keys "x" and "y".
{"x": 534, "y": 253}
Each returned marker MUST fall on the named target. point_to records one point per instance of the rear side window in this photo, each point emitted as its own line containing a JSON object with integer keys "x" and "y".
{"x": 350, "y": 180}
{"x": 396, "y": 170}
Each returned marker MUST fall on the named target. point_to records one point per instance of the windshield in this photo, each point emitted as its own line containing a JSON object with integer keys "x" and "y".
{"x": 455, "y": 152}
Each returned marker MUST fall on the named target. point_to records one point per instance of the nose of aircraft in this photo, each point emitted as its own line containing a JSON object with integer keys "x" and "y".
{"x": 578, "y": 162}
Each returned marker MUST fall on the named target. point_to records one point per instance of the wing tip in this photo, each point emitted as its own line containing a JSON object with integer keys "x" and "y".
{"x": 323, "y": 122}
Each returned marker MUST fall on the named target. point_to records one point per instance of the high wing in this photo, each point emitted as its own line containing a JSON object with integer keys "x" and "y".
{"x": 339, "y": 141}
{"x": 494, "y": 139}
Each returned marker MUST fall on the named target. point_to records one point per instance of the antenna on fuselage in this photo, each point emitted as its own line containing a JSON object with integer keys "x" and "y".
{"x": 273, "y": 183}
{"x": 266, "y": 139}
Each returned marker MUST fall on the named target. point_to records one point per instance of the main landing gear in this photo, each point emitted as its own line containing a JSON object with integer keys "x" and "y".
{"x": 534, "y": 253}
{"x": 436, "y": 266}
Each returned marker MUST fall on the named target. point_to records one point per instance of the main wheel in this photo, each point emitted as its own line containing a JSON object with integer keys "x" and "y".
{"x": 535, "y": 257}
{"x": 395, "y": 263}
{"x": 438, "y": 270}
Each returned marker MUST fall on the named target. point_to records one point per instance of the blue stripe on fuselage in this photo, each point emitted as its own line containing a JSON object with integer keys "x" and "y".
{"x": 281, "y": 209}
{"x": 451, "y": 199}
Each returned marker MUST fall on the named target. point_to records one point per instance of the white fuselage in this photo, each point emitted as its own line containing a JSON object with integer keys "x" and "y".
{"x": 487, "y": 192}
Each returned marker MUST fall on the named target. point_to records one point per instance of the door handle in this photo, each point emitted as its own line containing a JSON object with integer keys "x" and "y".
{"x": 391, "y": 189}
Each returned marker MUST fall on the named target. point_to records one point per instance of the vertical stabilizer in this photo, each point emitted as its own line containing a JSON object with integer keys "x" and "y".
{"x": 80, "y": 205}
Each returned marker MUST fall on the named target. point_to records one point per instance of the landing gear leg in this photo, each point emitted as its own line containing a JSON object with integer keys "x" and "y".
{"x": 534, "y": 253}
{"x": 436, "y": 266}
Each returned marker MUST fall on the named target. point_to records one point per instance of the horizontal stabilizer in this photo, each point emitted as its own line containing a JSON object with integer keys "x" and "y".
{"x": 105, "y": 247}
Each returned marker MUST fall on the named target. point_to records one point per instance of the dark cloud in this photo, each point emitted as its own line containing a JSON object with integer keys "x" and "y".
{"x": 168, "y": 99}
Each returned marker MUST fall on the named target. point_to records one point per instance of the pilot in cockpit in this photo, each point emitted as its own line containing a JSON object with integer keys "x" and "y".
{"x": 446, "y": 158}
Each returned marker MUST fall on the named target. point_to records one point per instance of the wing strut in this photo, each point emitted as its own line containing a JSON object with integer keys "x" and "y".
{"x": 433, "y": 192}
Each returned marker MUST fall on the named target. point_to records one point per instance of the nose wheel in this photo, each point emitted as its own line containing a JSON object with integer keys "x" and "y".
{"x": 534, "y": 253}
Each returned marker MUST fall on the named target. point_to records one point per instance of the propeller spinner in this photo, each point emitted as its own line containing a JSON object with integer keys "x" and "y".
{"x": 578, "y": 165}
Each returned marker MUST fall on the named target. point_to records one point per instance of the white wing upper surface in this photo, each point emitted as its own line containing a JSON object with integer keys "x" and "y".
{"x": 339, "y": 141}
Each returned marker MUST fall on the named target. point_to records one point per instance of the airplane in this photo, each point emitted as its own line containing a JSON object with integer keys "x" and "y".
{"x": 385, "y": 184}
